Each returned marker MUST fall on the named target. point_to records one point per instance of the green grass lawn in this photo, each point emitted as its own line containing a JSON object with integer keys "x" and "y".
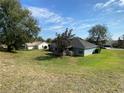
{"x": 39, "y": 72}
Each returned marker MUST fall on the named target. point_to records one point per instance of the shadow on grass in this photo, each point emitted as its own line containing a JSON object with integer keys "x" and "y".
{"x": 5, "y": 50}
{"x": 47, "y": 56}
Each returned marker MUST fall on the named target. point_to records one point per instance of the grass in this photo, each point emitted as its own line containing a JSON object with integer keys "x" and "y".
{"x": 39, "y": 72}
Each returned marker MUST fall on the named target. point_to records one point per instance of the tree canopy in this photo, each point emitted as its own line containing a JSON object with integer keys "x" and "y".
{"x": 63, "y": 41}
{"x": 49, "y": 40}
{"x": 17, "y": 26}
{"x": 98, "y": 34}
{"x": 39, "y": 38}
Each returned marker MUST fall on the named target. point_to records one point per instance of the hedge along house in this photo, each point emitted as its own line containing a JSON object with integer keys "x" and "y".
{"x": 82, "y": 47}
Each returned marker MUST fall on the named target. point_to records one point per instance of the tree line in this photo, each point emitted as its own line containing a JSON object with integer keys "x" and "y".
{"x": 17, "y": 27}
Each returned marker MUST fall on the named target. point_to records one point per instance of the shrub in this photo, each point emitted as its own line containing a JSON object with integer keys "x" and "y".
{"x": 45, "y": 47}
{"x": 97, "y": 51}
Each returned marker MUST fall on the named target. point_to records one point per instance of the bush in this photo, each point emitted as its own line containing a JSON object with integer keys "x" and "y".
{"x": 45, "y": 47}
{"x": 70, "y": 53}
{"x": 97, "y": 51}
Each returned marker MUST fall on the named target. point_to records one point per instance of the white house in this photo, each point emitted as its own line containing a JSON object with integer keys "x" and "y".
{"x": 43, "y": 45}
{"x": 37, "y": 45}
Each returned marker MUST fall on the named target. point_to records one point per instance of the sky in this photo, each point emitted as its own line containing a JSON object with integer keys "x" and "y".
{"x": 54, "y": 16}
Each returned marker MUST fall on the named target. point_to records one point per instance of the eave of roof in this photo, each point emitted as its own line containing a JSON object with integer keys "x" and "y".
{"x": 80, "y": 43}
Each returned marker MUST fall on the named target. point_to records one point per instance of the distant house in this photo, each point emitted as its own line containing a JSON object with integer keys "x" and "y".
{"x": 3, "y": 47}
{"x": 82, "y": 47}
{"x": 37, "y": 45}
{"x": 79, "y": 47}
{"x": 107, "y": 45}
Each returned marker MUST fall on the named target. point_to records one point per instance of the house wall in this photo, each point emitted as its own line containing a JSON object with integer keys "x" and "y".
{"x": 41, "y": 46}
{"x": 78, "y": 51}
{"x": 30, "y": 48}
{"x": 89, "y": 51}
{"x": 82, "y": 52}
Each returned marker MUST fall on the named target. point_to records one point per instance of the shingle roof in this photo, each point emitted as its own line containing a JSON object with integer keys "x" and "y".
{"x": 80, "y": 43}
{"x": 33, "y": 44}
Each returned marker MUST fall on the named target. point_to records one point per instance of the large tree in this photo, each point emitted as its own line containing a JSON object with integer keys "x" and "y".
{"x": 17, "y": 26}
{"x": 63, "y": 41}
{"x": 98, "y": 34}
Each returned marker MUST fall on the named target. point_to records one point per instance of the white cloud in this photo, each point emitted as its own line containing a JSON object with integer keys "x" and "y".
{"x": 46, "y": 14}
{"x": 106, "y": 4}
{"x": 120, "y": 11}
{"x": 56, "y": 28}
{"x": 110, "y": 3}
{"x": 121, "y": 2}
{"x": 52, "y": 21}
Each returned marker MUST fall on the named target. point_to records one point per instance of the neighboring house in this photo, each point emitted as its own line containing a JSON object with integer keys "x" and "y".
{"x": 82, "y": 47}
{"x": 37, "y": 45}
{"x": 78, "y": 47}
{"x": 43, "y": 45}
{"x": 107, "y": 45}
{"x": 3, "y": 46}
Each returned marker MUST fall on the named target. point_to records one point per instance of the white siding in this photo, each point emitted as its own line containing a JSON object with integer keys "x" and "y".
{"x": 37, "y": 46}
{"x": 41, "y": 46}
{"x": 30, "y": 48}
{"x": 89, "y": 51}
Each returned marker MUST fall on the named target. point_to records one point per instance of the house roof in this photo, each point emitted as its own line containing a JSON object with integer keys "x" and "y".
{"x": 33, "y": 44}
{"x": 80, "y": 43}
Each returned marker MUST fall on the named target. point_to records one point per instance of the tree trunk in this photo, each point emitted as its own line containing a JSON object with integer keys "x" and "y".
{"x": 9, "y": 48}
{"x": 97, "y": 40}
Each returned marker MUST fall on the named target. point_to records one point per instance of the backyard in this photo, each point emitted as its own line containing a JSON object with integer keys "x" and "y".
{"x": 40, "y": 72}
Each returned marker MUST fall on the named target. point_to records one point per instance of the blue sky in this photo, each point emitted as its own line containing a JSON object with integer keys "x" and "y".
{"x": 80, "y": 15}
